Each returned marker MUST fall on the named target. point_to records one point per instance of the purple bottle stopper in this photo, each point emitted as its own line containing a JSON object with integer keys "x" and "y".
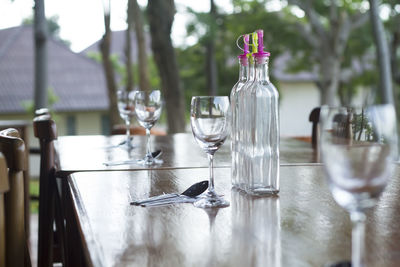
{"x": 261, "y": 52}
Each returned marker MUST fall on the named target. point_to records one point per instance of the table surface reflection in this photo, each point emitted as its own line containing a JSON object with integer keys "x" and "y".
{"x": 88, "y": 153}
{"x": 301, "y": 227}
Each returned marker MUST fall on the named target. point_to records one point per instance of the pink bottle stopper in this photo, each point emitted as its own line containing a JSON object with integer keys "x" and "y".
{"x": 261, "y": 52}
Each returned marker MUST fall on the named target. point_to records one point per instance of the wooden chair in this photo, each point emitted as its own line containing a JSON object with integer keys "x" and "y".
{"x": 22, "y": 127}
{"x": 314, "y": 118}
{"x": 49, "y": 251}
{"x": 4, "y": 187}
{"x": 13, "y": 148}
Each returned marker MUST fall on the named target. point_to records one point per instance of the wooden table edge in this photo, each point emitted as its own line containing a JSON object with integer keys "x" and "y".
{"x": 94, "y": 256}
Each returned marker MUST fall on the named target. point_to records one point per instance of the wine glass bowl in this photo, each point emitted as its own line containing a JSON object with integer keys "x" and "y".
{"x": 359, "y": 149}
{"x": 210, "y": 133}
{"x": 148, "y": 108}
{"x": 210, "y": 117}
{"x": 148, "y": 116}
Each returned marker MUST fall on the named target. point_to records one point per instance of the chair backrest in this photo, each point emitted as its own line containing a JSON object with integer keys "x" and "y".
{"x": 13, "y": 148}
{"x": 4, "y": 187}
{"x": 314, "y": 118}
{"x": 42, "y": 111}
{"x": 45, "y": 130}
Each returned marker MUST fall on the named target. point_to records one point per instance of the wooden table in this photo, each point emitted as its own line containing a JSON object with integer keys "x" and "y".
{"x": 88, "y": 153}
{"x": 302, "y": 227}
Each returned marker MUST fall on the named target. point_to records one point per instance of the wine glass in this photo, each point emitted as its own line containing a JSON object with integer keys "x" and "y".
{"x": 148, "y": 107}
{"x": 209, "y": 117}
{"x": 126, "y": 110}
{"x": 358, "y": 148}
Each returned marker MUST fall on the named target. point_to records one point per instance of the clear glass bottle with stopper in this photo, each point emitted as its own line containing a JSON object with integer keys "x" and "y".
{"x": 244, "y": 117}
{"x": 262, "y": 141}
{"x": 234, "y": 97}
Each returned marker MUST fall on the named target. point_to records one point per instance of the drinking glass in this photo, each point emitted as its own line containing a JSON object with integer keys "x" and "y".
{"x": 209, "y": 117}
{"x": 358, "y": 148}
{"x": 126, "y": 108}
{"x": 148, "y": 107}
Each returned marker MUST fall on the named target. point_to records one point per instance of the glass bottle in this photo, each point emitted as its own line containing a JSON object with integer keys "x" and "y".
{"x": 263, "y": 129}
{"x": 243, "y": 148}
{"x": 244, "y": 118}
{"x": 243, "y": 78}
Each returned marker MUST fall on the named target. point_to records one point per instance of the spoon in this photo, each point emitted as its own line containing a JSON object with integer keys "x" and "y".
{"x": 193, "y": 191}
{"x": 156, "y": 154}
{"x": 340, "y": 264}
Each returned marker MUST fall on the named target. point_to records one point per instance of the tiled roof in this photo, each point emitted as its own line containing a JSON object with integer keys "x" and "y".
{"x": 118, "y": 46}
{"x": 78, "y": 82}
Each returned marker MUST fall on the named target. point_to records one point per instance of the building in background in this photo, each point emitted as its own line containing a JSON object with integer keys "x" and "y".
{"x": 75, "y": 81}
{"x": 298, "y": 97}
{"x": 79, "y": 85}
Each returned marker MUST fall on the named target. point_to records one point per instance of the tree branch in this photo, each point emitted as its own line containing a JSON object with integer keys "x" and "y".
{"x": 309, "y": 36}
{"x": 312, "y": 16}
{"x": 358, "y": 20}
{"x": 385, "y": 79}
{"x": 395, "y": 45}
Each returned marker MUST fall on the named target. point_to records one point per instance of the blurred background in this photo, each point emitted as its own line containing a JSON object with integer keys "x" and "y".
{"x": 322, "y": 52}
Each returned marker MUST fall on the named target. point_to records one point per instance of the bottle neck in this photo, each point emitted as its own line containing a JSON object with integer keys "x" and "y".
{"x": 261, "y": 70}
{"x": 251, "y": 71}
{"x": 243, "y": 72}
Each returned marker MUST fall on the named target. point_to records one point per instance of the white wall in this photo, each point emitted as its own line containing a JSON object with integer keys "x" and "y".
{"x": 86, "y": 123}
{"x": 296, "y": 102}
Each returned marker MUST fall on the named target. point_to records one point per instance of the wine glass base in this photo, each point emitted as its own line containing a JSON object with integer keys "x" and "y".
{"x": 150, "y": 162}
{"x": 127, "y": 144}
{"x": 211, "y": 201}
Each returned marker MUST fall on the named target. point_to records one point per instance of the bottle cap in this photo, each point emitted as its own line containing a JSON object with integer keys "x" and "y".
{"x": 261, "y": 52}
{"x": 245, "y": 49}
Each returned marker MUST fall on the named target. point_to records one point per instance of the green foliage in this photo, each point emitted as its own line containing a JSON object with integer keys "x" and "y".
{"x": 248, "y": 16}
{"x": 155, "y": 81}
{"x": 120, "y": 69}
{"x": 52, "y": 99}
{"x": 34, "y": 191}
{"x": 361, "y": 126}
{"x": 52, "y": 26}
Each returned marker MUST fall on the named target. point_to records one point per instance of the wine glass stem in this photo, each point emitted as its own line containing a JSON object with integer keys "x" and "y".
{"x": 128, "y": 130}
{"x": 148, "y": 153}
{"x": 211, "y": 169}
{"x": 357, "y": 236}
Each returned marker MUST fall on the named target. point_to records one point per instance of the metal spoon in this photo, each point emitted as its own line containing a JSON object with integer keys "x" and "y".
{"x": 193, "y": 191}
{"x": 156, "y": 154}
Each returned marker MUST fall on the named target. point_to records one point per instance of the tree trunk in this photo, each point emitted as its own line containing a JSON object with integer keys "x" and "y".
{"x": 211, "y": 65}
{"x": 328, "y": 43}
{"x": 329, "y": 79}
{"x": 105, "y": 45}
{"x": 395, "y": 45}
{"x": 144, "y": 81}
{"x": 128, "y": 52}
{"x": 40, "y": 25}
{"x": 161, "y": 15}
{"x": 385, "y": 79}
